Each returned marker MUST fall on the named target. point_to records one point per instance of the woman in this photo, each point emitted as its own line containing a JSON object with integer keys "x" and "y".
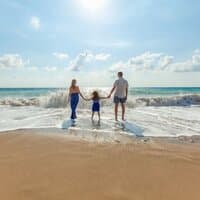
{"x": 74, "y": 93}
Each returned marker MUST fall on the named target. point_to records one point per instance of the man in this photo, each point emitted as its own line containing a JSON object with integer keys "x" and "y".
{"x": 121, "y": 91}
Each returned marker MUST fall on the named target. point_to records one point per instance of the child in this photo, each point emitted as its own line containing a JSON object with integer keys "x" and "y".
{"x": 96, "y": 105}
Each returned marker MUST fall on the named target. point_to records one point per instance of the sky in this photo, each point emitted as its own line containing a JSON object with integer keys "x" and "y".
{"x": 47, "y": 43}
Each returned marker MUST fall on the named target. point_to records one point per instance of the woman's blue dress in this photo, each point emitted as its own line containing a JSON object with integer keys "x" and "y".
{"x": 74, "y": 99}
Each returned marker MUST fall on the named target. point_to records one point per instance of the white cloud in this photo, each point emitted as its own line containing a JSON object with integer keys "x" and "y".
{"x": 145, "y": 61}
{"x": 78, "y": 62}
{"x": 86, "y": 57}
{"x": 191, "y": 65}
{"x": 102, "y": 56}
{"x": 61, "y": 56}
{"x": 96, "y": 57}
{"x": 159, "y": 62}
{"x": 50, "y": 69}
{"x": 12, "y": 61}
{"x": 117, "y": 66}
{"x": 35, "y": 22}
{"x": 165, "y": 61}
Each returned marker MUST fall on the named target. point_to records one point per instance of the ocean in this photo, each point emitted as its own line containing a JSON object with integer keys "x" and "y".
{"x": 158, "y": 112}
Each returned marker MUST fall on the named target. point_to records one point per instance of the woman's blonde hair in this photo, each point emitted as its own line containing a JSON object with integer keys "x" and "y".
{"x": 73, "y": 83}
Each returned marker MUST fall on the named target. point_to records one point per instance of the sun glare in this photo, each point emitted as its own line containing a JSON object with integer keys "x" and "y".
{"x": 93, "y": 6}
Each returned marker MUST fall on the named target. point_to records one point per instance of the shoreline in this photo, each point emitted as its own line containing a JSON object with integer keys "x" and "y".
{"x": 120, "y": 138}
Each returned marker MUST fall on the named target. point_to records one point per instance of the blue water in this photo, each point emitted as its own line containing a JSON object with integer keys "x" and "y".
{"x": 164, "y": 91}
{"x": 137, "y": 91}
{"x": 25, "y": 92}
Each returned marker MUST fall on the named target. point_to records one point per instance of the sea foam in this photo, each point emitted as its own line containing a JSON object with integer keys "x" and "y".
{"x": 58, "y": 99}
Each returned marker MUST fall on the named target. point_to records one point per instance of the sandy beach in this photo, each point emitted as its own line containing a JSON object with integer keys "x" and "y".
{"x": 34, "y": 166}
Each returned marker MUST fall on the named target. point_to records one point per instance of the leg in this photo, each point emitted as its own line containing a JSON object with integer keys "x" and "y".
{"x": 99, "y": 116}
{"x": 73, "y": 113}
{"x": 92, "y": 118}
{"x": 74, "y": 103}
{"x": 123, "y": 110}
{"x": 116, "y": 111}
{"x": 73, "y": 108}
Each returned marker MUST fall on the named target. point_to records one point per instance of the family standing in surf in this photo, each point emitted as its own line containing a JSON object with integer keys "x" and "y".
{"x": 120, "y": 90}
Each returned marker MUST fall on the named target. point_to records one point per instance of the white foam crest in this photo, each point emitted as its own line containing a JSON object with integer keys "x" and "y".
{"x": 58, "y": 99}
{"x": 19, "y": 102}
{"x": 181, "y": 100}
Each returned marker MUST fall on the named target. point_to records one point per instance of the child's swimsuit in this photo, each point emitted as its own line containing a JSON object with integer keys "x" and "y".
{"x": 95, "y": 106}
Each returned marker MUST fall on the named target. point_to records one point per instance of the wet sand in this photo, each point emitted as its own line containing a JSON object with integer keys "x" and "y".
{"x": 42, "y": 167}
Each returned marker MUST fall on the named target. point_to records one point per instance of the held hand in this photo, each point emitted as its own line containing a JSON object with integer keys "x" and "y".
{"x": 109, "y": 96}
{"x": 85, "y": 99}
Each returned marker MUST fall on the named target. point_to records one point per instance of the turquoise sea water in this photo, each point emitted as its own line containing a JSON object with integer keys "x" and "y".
{"x": 137, "y": 91}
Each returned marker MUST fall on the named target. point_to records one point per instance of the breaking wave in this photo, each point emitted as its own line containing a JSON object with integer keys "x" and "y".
{"x": 58, "y": 99}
